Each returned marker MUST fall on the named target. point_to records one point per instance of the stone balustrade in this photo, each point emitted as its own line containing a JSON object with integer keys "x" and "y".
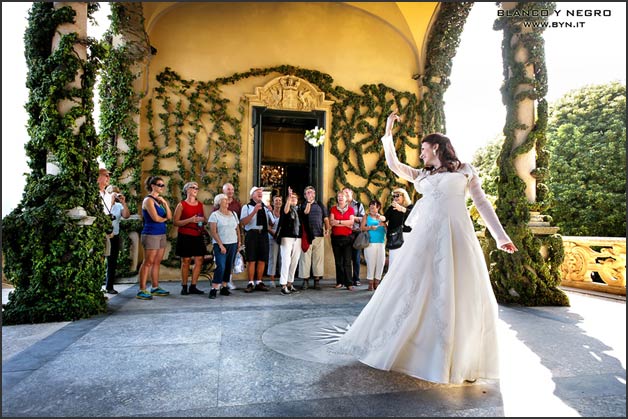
{"x": 590, "y": 263}
{"x": 595, "y": 263}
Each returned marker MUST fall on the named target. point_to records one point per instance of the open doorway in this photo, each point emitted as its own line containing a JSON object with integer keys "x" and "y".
{"x": 282, "y": 157}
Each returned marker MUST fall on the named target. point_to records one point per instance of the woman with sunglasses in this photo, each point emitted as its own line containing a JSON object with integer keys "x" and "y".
{"x": 396, "y": 215}
{"x": 189, "y": 217}
{"x": 155, "y": 213}
{"x": 437, "y": 318}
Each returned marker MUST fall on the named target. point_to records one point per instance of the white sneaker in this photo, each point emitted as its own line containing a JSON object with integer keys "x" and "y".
{"x": 231, "y": 286}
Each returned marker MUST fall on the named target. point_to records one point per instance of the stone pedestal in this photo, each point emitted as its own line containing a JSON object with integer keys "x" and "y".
{"x": 539, "y": 226}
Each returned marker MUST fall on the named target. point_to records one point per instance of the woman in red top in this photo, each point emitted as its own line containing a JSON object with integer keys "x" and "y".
{"x": 341, "y": 220}
{"x": 190, "y": 218}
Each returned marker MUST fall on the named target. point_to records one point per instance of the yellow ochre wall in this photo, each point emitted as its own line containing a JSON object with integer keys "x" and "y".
{"x": 355, "y": 43}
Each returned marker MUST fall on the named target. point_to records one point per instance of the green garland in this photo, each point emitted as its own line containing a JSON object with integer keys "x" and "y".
{"x": 441, "y": 49}
{"x": 524, "y": 277}
{"x": 181, "y": 123}
{"x": 49, "y": 257}
{"x": 183, "y": 104}
{"x": 118, "y": 110}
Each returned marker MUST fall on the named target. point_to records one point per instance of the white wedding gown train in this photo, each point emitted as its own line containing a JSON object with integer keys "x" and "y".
{"x": 434, "y": 316}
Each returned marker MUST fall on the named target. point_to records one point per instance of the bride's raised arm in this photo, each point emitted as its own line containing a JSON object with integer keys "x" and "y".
{"x": 402, "y": 170}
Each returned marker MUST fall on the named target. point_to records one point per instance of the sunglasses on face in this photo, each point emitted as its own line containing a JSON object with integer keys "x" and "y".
{"x": 160, "y": 185}
{"x": 396, "y": 195}
{"x": 193, "y": 187}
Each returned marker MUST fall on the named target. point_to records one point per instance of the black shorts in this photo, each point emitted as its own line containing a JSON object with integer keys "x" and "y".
{"x": 189, "y": 246}
{"x": 256, "y": 246}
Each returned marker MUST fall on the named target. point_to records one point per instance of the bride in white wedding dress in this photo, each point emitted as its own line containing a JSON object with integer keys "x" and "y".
{"x": 434, "y": 316}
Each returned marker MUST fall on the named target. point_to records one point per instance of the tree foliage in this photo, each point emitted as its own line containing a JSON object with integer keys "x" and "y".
{"x": 587, "y": 140}
{"x": 485, "y": 162}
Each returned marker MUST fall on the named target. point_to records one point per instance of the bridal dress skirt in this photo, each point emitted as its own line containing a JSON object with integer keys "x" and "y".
{"x": 434, "y": 316}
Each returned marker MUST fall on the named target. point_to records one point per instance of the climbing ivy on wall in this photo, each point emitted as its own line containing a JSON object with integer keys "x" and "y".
{"x": 118, "y": 112}
{"x": 184, "y": 113}
{"x": 57, "y": 266}
{"x": 187, "y": 112}
{"x": 524, "y": 277}
{"x": 441, "y": 49}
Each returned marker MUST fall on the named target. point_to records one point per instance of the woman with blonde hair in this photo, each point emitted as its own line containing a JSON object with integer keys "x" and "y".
{"x": 341, "y": 219}
{"x": 396, "y": 215}
{"x": 189, "y": 217}
{"x": 274, "y": 258}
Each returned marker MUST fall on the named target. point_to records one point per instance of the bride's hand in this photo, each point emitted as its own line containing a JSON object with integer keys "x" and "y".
{"x": 391, "y": 121}
{"x": 509, "y": 247}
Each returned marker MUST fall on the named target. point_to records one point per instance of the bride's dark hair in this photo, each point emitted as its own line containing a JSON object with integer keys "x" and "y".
{"x": 446, "y": 153}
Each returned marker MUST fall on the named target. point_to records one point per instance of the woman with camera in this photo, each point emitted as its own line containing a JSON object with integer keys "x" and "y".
{"x": 115, "y": 208}
{"x": 396, "y": 214}
{"x": 118, "y": 210}
{"x": 189, "y": 217}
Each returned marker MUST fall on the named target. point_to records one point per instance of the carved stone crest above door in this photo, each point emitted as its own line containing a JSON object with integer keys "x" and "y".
{"x": 290, "y": 93}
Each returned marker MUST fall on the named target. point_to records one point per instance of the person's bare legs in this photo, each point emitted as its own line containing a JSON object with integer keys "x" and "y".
{"x": 156, "y": 265}
{"x": 250, "y": 271}
{"x": 250, "y": 274}
{"x": 185, "y": 271}
{"x": 196, "y": 272}
{"x": 260, "y": 265}
{"x": 147, "y": 266}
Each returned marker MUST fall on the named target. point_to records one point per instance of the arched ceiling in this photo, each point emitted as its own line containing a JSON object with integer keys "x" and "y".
{"x": 412, "y": 20}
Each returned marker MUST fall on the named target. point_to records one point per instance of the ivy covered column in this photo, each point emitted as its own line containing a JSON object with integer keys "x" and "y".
{"x": 441, "y": 49}
{"x": 532, "y": 275}
{"x": 54, "y": 240}
{"x": 120, "y": 92}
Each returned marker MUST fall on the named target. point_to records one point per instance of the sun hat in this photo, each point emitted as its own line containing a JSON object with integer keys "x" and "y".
{"x": 253, "y": 189}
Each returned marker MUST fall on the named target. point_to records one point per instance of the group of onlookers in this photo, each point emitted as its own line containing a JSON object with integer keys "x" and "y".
{"x": 275, "y": 239}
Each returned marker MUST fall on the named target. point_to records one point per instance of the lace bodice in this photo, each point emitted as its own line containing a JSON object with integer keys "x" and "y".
{"x": 446, "y": 184}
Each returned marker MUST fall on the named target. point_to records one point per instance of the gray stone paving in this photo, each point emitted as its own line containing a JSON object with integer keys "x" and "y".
{"x": 263, "y": 355}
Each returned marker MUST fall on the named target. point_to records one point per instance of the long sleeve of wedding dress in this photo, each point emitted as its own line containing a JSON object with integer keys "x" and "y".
{"x": 486, "y": 209}
{"x": 402, "y": 170}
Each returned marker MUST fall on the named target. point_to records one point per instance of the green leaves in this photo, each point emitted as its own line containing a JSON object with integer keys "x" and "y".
{"x": 587, "y": 143}
{"x": 47, "y": 255}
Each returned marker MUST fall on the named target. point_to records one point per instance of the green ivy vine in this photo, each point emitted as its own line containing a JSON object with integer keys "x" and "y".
{"x": 118, "y": 110}
{"x": 441, "y": 49}
{"x": 191, "y": 110}
{"x": 524, "y": 277}
{"x": 48, "y": 256}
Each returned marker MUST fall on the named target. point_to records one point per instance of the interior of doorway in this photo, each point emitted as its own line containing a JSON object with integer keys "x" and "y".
{"x": 286, "y": 159}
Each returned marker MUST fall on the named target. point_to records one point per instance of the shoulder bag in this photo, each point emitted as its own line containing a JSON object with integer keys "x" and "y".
{"x": 362, "y": 240}
{"x": 394, "y": 238}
